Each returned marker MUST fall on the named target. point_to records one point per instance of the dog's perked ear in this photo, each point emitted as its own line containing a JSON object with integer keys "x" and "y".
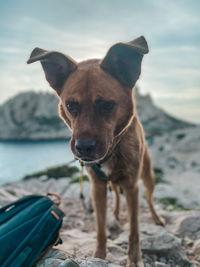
{"x": 123, "y": 61}
{"x": 57, "y": 66}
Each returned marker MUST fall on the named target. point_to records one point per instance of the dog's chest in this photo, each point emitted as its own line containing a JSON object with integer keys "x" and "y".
{"x": 106, "y": 169}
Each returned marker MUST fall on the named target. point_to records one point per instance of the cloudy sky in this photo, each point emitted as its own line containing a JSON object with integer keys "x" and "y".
{"x": 87, "y": 28}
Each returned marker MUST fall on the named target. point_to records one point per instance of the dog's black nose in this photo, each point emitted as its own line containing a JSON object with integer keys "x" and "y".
{"x": 85, "y": 148}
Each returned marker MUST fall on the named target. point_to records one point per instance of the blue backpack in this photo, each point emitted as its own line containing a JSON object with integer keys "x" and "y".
{"x": 28, "y": 228}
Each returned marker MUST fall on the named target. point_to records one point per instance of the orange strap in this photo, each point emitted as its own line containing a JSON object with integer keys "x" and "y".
{"x": 58, "y": 198}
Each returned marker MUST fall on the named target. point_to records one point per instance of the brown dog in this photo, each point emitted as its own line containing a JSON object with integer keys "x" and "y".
{"x": 97, "y": 104}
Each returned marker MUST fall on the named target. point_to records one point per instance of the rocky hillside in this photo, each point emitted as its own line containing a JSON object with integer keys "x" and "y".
{"x": 33, "y": 116}
{"x": 155, "y": 120}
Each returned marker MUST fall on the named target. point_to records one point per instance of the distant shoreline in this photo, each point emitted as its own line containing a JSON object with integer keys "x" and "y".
{"x": 26, "y": 140}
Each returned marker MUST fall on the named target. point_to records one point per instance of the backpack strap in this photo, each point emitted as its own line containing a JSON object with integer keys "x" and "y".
{"x": 58, "y": 198}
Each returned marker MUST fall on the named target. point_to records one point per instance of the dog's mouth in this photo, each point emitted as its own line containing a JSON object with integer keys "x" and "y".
{"x": 90, "y": 159}
{"x": 95, "y": 158}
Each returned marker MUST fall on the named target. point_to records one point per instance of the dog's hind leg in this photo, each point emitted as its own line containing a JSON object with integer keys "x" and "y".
{"x": 116, "y": 206}
{"x": 147, "y": 176}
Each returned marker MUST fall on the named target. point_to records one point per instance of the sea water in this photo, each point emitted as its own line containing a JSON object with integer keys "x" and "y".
{"x": 20, "y": 158}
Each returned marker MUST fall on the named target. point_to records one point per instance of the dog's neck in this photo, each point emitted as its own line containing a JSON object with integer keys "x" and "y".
{"x": 116, "y": 141}
{"x": 121, "y": 135}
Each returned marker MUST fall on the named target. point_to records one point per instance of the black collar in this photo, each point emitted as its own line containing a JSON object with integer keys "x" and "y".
{"x": 97, "y": 166}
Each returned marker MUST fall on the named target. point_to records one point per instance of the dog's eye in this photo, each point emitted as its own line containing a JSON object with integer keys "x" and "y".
{"x": 104, "y": 107}
{"x": 73, "y": 107}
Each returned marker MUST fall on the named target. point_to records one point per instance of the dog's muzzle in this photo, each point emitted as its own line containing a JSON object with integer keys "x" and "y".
{"x": 85, "y": 149}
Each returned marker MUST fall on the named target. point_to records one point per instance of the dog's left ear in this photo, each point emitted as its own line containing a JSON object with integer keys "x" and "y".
{"x": 123, "y": 61}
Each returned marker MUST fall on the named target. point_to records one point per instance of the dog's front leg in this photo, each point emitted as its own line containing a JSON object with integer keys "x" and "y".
{"x": 131, "y": 192}
{"x": 99, "y": 194}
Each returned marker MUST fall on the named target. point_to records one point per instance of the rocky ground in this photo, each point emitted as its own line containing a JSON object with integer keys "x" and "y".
{"x": 177, "y": 244}
{"x": 177, "y": 155}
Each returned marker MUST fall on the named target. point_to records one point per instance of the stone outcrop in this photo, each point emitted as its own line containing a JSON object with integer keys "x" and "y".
{"x": 155, "y": 120}
{"x": 34, "y": 116}
{"x": 31, "y": 116}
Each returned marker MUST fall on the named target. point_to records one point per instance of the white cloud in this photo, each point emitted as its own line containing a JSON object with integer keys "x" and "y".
{"x": 171, "y": 69}
{"x": 17, "y": 76}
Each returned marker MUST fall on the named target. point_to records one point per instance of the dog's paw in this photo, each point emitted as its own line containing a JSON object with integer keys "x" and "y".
{"x": 159, "y": 220}
{"x": 133, "y": 264}
{"x": 101, "y": 254}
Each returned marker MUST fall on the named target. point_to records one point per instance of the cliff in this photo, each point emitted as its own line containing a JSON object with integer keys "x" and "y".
{"x": 34, "y": 116}
{"x": 155, "y": 120}
{"x": 31, "y": 116}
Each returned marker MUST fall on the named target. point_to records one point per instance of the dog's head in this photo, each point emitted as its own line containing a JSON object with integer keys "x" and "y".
{"x": 95, "y": 95}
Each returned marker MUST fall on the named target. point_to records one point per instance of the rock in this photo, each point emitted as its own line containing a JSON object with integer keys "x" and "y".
{"x": 113, "y": 265}
{"x": 89, "y": 262}
{"x": 54, "y": 257}
{"x": 160, "y": 264}
{"x": 34, "y": 116}
{"x": 78, "y": 242}
{"x": 38, "y": 186}
{"x": 113, "y": 225}
{"x": 157, "y": 240}
{"x": 9, "y": 194}
{"x": 154, "y": 120}
{"x": 69, "y": 263}
{"x": 160, "y": 246}
{"x": 197, "y": 247}
{"x": 163, "y": 190}
{"x": 74, "y": 191}
{"x": 6, "y": 197}
{"x": 190, "y": 227}
{"x": 84, "y": 262}
{"x": 181, "y": 154}
{"x": 50, "y": 262}
{"x": 183, "y": 179}
{"x": 31, "y": 116}
{"x": 167, "y": 195}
